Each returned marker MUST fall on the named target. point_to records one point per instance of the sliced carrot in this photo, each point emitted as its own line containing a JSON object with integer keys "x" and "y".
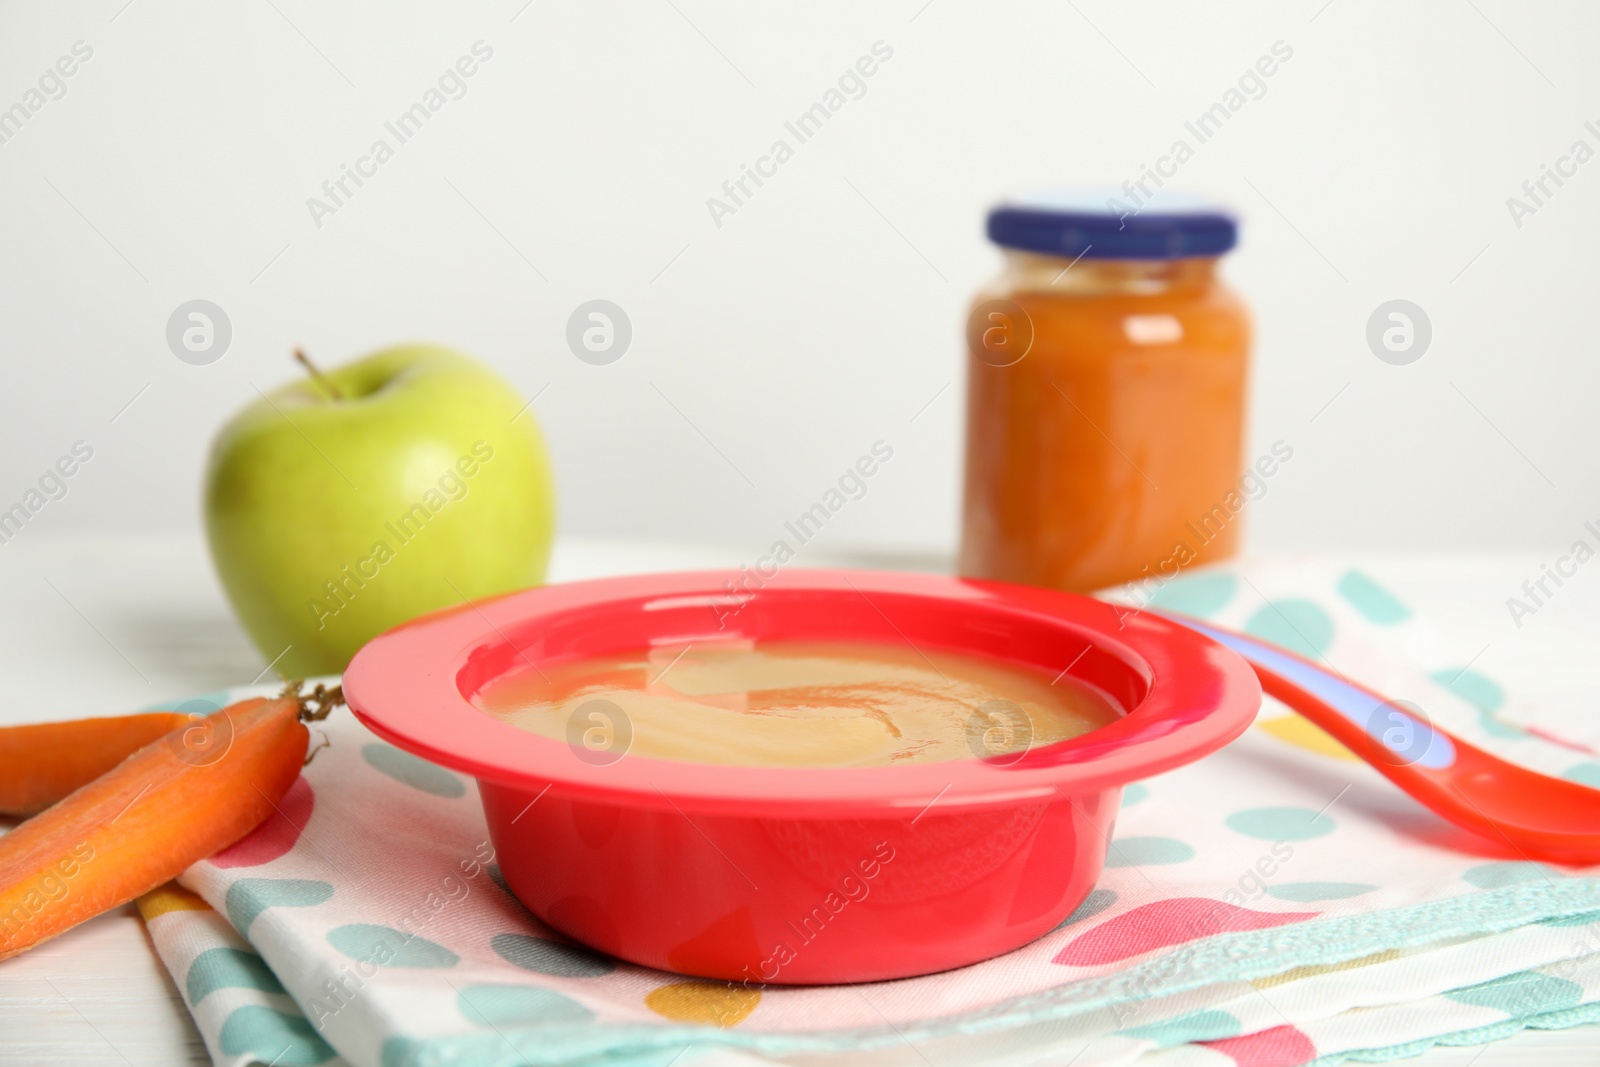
{"x": 168, "y": 805}
{"x": 41, "y": 764}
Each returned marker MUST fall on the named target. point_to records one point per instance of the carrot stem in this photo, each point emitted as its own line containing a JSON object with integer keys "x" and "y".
{"x": 177, "y": 800}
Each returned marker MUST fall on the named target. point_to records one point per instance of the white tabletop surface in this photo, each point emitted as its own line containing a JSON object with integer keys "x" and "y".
{"x": 98, "y": 627}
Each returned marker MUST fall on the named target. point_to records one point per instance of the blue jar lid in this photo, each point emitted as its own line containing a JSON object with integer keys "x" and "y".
{"x": 1113, "y": 225}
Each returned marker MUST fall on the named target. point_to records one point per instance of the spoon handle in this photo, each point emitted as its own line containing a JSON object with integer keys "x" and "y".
{"x": 1396, "y": 733}
{"x": 1534, "y": 813}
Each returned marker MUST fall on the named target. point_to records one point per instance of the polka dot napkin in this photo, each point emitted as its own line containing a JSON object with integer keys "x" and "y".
{"x": 1275, "y": 904}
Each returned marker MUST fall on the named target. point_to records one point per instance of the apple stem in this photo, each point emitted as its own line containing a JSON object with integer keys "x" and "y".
{"x": 317, "y": 376}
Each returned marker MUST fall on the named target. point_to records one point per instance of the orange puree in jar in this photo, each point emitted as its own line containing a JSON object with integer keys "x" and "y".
{"x": 1105, "y": 397}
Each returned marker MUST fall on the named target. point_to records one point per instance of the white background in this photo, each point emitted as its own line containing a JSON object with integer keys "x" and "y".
{"x": 827, "y": 312}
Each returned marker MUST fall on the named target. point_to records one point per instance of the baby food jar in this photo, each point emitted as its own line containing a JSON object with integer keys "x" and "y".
{"x": 1105, "y": 395}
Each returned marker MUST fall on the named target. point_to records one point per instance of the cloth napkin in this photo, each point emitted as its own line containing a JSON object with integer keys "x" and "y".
{"x": 1277, "y": 903}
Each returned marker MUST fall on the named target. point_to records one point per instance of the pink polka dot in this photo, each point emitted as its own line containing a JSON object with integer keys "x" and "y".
{"x": 1167, "y": 922}
{"x": 274, "y": 837}
{"x": 1281, "y": 1047}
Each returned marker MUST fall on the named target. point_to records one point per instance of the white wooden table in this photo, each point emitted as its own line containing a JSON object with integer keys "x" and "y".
{"x": 101, "y": 627}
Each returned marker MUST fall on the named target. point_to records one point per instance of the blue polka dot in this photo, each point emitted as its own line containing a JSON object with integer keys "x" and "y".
{"x": 205, "y": 703}
{"x": 1297, "y": 625}
{"x": 1522, "y": 994}
{"x": 1479, "y": 690}
{"x": 1372, "y": 600}
{"x": 1281, "y": 824}
{"x": 228, "y": 968}
{"x": 1499, "y": 875}
{"x": 1142, "y": 851}
{"x": 249, "y": 897}
{"x": 400, "y": 1051}
{"x": 1092, "y": 905}
{"x": 549, "y": 957}
{"x": 417, "y": 773}
{"x": 1199, "y": 594}
{"x": 1305, "y": 892}
{"x": 1495, "y": 726}
{"x": 1196, "y": 1026}
{"x": 517, "y": 1005}
{"x": 388, "y": 947}
{"x": 1134, "y": 793}
{"x": 1584, "y": 773}
{"x": 1483, "y": 693}
{"x": 273, "y": 1037}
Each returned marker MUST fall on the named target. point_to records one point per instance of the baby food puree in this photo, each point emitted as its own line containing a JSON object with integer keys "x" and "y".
{"x": 803, "y": 704}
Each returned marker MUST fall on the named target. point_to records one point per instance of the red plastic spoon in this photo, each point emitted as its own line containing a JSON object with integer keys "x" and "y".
{"x": 1540, "y": 816}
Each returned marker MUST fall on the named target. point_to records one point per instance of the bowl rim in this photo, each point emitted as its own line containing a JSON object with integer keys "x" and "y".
{"x": 1198, "y": 695}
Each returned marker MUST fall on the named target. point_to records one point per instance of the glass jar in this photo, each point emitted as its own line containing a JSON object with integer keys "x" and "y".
{"x": 1106, "y": 382}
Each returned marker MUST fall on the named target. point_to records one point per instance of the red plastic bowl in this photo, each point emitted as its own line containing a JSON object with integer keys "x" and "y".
{"x": 764, "y": 875}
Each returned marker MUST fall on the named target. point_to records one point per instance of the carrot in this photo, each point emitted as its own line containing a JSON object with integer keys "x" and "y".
{"x": 41, "y": 764}
{"x": 145, "y": 821}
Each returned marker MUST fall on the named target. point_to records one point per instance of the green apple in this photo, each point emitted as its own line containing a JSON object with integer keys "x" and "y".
{"x": 346, "y": 503}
